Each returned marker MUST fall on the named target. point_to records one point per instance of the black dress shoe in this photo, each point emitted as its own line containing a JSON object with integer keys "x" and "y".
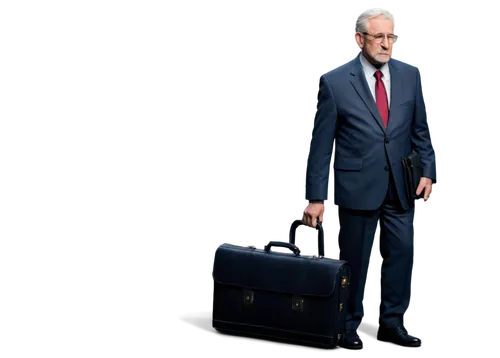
{"x": 398, "y": 335}
{"x": 351, "y": 340}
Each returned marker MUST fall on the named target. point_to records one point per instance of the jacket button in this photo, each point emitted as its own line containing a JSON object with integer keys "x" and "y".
{"x": 386, "y": 168}
{"x": 386, "y": 140}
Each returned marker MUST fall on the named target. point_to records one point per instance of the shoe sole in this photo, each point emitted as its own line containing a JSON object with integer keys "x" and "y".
{"x": 399, "y": 344}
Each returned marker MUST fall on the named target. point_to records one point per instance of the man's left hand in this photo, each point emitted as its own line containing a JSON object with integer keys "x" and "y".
{"x": 426, "y": 185}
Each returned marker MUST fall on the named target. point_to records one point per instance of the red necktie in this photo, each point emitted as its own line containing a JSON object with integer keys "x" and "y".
{"x": 381, "y": 96}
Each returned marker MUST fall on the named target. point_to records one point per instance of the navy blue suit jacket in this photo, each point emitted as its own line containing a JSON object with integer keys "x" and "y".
{"x": 366, "y": 153}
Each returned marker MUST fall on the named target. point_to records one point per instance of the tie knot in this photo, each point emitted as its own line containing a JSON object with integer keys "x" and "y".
{"x": 378, "y": 74}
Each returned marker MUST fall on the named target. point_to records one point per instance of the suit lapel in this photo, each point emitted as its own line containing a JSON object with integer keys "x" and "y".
{"x": 358, "y": 80}
{"x": 396, "y": 92}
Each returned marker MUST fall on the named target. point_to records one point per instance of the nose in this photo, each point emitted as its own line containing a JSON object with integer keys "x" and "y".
{"x": 385, "y": 42}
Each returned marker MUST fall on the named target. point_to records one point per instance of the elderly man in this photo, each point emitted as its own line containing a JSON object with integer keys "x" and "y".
{"x": 374, "y": 108}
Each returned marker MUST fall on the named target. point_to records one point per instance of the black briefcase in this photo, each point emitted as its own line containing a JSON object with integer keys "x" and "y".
{"x": 280, "y": 296}
{"x": 413, "y": 170}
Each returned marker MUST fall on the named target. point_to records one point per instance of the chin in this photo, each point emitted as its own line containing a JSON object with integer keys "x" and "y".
{"x": 382, "y": 58}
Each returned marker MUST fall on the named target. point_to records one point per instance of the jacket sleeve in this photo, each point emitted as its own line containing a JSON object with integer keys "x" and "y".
{"x": 320, "y": 151}
{"x": 421, "y": 138}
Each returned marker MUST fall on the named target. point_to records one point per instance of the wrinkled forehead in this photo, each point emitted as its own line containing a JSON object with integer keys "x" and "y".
{"x": 380, "y": 25}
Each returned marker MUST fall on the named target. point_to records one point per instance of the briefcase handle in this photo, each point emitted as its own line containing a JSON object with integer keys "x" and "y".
{"x": 321, "y": 235}
{"x": 292, "y": 247}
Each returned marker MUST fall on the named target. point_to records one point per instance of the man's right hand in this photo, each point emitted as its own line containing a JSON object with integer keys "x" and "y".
{"x": 312, "y": 213}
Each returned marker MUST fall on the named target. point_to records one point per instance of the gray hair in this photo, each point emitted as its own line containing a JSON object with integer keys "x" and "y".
{"x": 362, "y": 22}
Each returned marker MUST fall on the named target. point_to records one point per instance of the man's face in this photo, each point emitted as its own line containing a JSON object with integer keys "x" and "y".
{"x": 375, "y": 52}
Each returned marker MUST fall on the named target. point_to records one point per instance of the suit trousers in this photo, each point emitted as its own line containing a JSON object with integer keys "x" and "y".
{"x": 357, "y": 231}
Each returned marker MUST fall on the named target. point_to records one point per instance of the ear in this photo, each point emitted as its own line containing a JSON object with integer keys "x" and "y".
{"x": 360, "y": 39}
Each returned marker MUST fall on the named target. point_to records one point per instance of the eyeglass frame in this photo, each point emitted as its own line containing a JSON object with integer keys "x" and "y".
{"x": 394, "y": 37}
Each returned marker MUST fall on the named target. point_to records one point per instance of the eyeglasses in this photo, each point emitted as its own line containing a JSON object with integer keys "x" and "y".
{"x": 378, "y": 38}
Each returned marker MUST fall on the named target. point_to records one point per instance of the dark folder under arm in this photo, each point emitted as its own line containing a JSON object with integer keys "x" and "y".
{"x": 413, "y": 172}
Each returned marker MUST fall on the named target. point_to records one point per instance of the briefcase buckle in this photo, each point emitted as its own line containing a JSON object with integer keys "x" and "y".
{"x": 344, "y": 282}
{"x": 298, "y": 304}
{"x": 248, "y": 297}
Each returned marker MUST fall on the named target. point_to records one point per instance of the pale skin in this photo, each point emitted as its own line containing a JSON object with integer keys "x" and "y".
{"x": 377, "y": 54}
